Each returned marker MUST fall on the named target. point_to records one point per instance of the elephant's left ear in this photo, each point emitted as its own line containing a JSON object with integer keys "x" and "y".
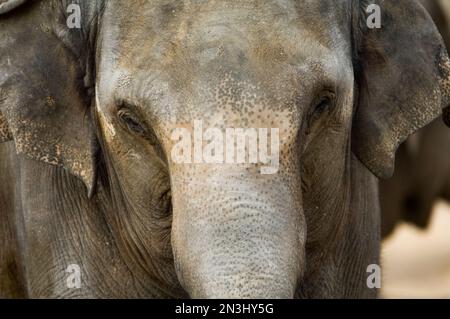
{"x": 43, "y": 103}
{"x": 403, "y": 72}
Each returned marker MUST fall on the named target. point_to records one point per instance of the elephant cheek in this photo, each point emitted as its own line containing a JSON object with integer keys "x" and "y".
{"x": 232, "y": 239}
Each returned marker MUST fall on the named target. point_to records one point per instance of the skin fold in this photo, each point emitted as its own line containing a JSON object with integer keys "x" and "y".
{"x": 91, "y": 115}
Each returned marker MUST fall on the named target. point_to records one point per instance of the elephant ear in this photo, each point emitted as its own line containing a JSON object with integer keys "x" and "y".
{"x": 403, "y": 72}
{"x": 43, "y": 105}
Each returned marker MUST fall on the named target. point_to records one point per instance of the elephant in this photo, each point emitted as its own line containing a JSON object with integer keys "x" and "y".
{"x": 101, "y": 209}
{"x": 422, "y": 174}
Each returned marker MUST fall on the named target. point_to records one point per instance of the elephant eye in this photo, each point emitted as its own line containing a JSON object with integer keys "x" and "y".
{"x": 322, "y": 105}
{"x": 324, "y": 102}
{"x": 131, "y": 121}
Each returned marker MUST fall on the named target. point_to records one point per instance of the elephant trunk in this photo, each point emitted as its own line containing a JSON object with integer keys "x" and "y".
{"x": 233, "y": 238}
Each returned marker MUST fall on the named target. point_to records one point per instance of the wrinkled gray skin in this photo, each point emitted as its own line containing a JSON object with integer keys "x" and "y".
{"x": 93, "y": 109}
{"x": 422, "y": 171}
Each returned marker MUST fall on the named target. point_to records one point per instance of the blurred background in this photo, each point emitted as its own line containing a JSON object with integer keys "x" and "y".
{"x": 416, "y": 263}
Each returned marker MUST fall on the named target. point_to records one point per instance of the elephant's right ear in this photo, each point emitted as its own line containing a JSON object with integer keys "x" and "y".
{"x": 44, "y": 107}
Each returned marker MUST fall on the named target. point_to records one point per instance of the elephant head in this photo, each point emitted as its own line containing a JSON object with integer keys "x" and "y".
{"x": 103, "y": 102}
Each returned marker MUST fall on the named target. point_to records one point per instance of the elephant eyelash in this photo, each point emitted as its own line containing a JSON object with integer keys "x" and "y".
{"x": 134, "y": 125}
{"x": 131, "y": 121}
{"x": 322, "y": 104}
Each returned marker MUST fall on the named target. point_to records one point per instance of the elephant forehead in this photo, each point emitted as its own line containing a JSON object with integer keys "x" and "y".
{"x": 185, "y": 39}
{"x": 189, "y": 33}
